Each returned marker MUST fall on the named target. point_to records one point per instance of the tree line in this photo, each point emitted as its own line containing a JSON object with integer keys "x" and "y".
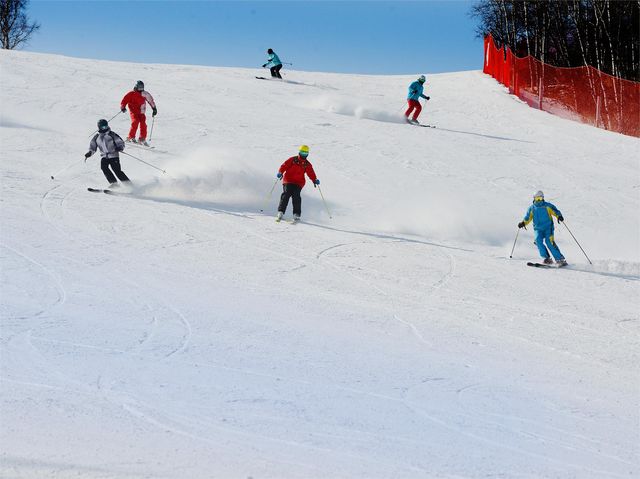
{"x": 567, "y": 33}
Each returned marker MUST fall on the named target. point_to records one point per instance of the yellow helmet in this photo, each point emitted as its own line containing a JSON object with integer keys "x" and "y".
{"x": 304, "y": 149}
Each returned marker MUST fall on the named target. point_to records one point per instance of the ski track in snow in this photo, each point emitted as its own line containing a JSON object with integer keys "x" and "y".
{"x": 60, "y": 289}
{"x": 57, "y": 224}
{"x": 445, "y": 278}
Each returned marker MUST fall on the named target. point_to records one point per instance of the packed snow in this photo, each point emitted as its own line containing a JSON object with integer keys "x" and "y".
{"x": 177, "y": 332}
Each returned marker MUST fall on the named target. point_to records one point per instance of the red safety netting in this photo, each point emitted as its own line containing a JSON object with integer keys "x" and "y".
{"x": 582, "y": 94}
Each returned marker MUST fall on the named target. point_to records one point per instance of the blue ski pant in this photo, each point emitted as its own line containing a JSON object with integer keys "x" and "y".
{"x": 546, "y": 236}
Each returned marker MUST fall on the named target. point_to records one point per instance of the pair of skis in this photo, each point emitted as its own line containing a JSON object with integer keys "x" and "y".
{"x": 293, "y": 221}
{"x": 547, "y": 266}
{"x": 140, "y": 145}
{"x": 103, "y": 190}
{"x": 423, "y": 125}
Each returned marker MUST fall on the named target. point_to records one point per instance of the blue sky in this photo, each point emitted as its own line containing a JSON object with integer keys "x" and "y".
{"x": 376, "y": 37}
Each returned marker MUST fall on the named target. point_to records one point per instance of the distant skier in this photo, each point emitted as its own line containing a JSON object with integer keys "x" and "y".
{"x": 293, "y": 171}
{"x": 137, "y": 100}
{"x": 274, "y": 64}
{"x": 542, "y": 213}
{"x": 413, "y": 98}
{"x": 110, "y": 145}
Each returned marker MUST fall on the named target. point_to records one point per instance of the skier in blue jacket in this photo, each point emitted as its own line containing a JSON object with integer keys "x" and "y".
{"x": 274, "y": 64}
{"x": 542, "y": 213}
{"x": 415, "y": 93}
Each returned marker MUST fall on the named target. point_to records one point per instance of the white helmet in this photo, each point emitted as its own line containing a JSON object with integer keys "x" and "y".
{"x": 538, "y": 194}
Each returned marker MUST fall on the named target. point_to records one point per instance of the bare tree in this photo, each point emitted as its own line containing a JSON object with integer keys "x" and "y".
{"x": 566, "y": 33}
{"x": 15, "y": 29}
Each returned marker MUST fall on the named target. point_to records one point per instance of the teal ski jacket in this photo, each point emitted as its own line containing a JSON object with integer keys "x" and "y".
{"x": 415, "y": 91}
{"x": 273, "y": 60}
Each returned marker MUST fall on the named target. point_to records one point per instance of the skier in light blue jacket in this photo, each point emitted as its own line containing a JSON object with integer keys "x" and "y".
{"x": 415, "y": 93}
{"x": 542, "y": 213}
{"x": 274, "y": 64}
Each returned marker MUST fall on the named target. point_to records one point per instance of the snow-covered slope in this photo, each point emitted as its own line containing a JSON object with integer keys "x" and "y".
{"x": 179, "y": 333}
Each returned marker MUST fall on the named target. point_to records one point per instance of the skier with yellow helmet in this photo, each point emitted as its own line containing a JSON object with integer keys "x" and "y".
{"x": 292, "y": 172}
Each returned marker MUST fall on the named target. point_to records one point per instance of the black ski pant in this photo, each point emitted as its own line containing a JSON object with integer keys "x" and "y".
{"x": 291, "y": 190}
{"x": 114, "y": 163}
{"x": 275, "y": 71}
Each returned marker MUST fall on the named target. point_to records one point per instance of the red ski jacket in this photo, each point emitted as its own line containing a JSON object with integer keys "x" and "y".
{"x": 295, "y": 168}
{"x": 136, "y": 101}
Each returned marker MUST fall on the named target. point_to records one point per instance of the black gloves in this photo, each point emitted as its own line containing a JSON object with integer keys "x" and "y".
{"x": 428, "y": 97}
{"x": 263, "y": 66}
{"x": 123, "y": 109}
{"x": 87, "y": 155}
{"x": 560, "y": 219}
{"x": 521, "y": 224}
{"x": 155, "y": 111}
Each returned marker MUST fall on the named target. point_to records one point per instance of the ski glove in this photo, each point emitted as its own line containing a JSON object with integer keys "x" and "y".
{"x": 279, "y": 175}
{"x": 428, "y": 97}
{"x": 155, "y": 111}
{"x": 316, "y": 183}
{"x": 264, "y": 66}
{"x": 87, "y": 155}
{"x": 560, "y": 219}
{"x": 521, "y": 224}
{"x": 123, "y": 109}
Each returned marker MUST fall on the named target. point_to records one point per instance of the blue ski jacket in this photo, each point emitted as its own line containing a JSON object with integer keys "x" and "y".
{"x": 541, "y": 214}
{"x": 273, "y": 60}
{"x": 415, "y": 91}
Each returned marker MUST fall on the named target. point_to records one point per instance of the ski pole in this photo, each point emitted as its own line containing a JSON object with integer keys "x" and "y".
{"x": 142, "y": 161}
{"x": 266, "y": 200}
{"x": 325, "y": 203}
{"x": 514, "y": 243}
{"x": 109, "y": 120}
{"x": 153, "y": 122}
{"x": 574, "y": 238}
{"x": 287, "y": 63}
{"x": 63, "y": 169}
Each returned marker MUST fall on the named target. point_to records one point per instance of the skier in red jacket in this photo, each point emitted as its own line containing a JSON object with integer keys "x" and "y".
{"x": 293, "y": 171}
{"x": 137, "y": 100}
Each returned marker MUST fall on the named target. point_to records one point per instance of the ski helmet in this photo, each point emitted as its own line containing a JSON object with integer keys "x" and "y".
{"x": 538, "y": 196}
{"x": 103, "y": 125}
{"x": 304, "y": 150}
{"x": 270, "y": 51}
{"x": 139, "y": 85}
{"x": 422, "y": 79}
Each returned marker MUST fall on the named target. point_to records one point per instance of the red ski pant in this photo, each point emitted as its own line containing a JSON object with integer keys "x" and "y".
{"x": 413, "y": 104}
{"x": 138, "y": 119}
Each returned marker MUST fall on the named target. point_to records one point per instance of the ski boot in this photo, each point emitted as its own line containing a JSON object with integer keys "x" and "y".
{"x": 143, "y": 142}
{"x": 279, "y": 216}
{"x": 547, "y": 261}
{"x": 561, "y": 262}
{"x": 296, "y": 218}
{"x": 131, "y": 140}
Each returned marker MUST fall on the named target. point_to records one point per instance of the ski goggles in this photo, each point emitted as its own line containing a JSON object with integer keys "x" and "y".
{"x": 538, "y": 199}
